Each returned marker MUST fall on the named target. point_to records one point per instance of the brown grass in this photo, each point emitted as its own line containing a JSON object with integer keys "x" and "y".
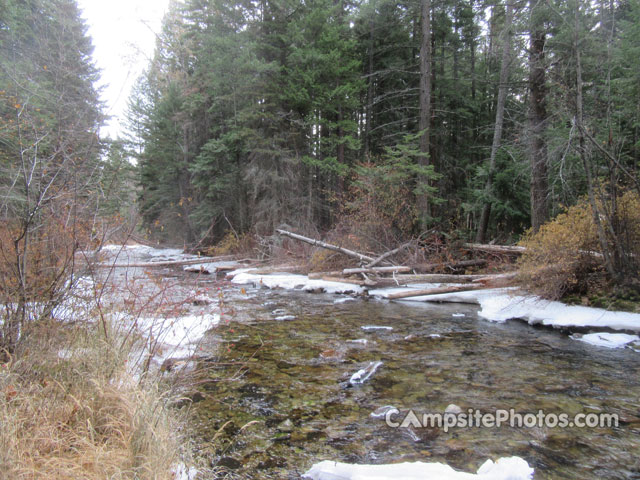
{"x": 70, "y": 408}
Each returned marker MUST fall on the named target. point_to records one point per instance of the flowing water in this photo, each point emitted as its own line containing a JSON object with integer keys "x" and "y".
{"x": 277, "y": 397}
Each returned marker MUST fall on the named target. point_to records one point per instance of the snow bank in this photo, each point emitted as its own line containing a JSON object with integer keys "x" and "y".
{"x": 499, "y": 308}
{"x": 177, "y": 337}
{"x": 501, "y": 304}
{"x": 512, "y": 468}
{"x": 208, "y": 267}
{"x": 608, "y": 340}
{"x": 290, "y": 281}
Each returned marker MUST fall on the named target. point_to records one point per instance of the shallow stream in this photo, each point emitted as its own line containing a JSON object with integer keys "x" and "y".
{"x": 277, "y": 396}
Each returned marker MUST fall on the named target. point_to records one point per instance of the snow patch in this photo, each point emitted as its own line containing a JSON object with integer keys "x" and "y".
{"x": 608, "y": 340}
{"x": 182, "y": 472}
{"x": 290, "y": 281}
{"x": 512, "y": 468}
{"x": 177, "y": 337}
{"x": 208, "y": 267}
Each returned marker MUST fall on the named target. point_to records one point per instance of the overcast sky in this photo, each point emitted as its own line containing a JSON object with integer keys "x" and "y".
{"x": 123, "y": 33}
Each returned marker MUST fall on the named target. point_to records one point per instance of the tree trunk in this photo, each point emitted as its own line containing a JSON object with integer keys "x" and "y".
{"x": 497, "y": 131}
{"x": 537, "y": 123}
{"x": 597, "y": 215}
{"x": 369, "y": 106}
{"x": 425, "y": 96}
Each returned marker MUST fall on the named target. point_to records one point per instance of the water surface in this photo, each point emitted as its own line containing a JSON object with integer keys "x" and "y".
{"x": 277, "y": 398}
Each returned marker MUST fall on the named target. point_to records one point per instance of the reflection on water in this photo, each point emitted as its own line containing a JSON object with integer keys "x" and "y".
{"x": 278, "y": 397}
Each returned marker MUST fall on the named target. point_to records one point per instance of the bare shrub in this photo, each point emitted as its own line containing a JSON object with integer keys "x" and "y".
{"x": 565, "y": 256}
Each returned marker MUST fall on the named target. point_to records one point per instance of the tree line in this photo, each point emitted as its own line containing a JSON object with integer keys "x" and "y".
{"x": 481, "y": 117}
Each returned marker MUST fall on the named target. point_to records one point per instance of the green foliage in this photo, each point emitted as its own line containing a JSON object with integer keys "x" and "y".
{"x": 257, "y": 113}
{"x": 381, "y": 205}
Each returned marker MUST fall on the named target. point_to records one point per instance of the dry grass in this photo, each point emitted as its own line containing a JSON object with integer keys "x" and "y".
{"x": 70, "y": 408}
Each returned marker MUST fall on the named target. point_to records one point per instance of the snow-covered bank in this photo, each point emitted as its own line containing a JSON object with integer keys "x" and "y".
{"x": 177, "y": 337}
{"x": 512, "y": 468}
{"x": 496, "y": 304}
{"x": 502, "y": 304}
{"x": 291, "y": 281}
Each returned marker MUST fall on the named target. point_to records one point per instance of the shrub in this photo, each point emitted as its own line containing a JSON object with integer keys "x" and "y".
{"x": 565, "y": 256}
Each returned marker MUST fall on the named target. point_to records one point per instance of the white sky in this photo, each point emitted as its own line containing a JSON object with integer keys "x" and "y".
{"x": 123, "y": 34}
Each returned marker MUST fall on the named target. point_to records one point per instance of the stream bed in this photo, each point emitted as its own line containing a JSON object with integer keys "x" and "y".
{"x": 277, "y": 396}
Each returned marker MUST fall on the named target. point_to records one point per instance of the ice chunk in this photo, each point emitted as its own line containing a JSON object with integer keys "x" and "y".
{"x": 608, "y": 340}
{"x": 364, "y": 374}
{"x": 512, "y": 468}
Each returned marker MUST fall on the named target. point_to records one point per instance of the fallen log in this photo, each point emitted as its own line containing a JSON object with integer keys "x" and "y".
{"x": 352, "y": 271}
{"x": 389, "y": 254}
{"x": 497, "y": 280}
{"x": 505, "y": 249}
{"x": 434, "y": 291}
{"x": 436, "y": 278}
{"x": 168, "y": 263}
{"x": 328, "y": 246}
{"x": 427, "y": 267}
{"x": 353, "y": 281}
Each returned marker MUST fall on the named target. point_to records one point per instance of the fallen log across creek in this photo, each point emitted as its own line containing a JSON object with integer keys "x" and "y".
{"x": 434, "y": 291}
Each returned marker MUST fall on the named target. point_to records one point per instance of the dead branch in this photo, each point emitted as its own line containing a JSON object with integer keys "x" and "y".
{"x": 389, "y": 254}
{"x": 437, "y": 278}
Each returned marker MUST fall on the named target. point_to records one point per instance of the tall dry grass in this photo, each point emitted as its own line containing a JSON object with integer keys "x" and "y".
{"x": 72, "y": 408}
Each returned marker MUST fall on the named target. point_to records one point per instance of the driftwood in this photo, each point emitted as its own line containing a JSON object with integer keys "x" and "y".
{"x": 434, "y": 291}
{"x": 328, "y": 246}
{"x": 352, "y": 271}
{"x": 389, "y": 254}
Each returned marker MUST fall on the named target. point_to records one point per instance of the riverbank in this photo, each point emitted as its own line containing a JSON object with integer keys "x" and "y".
{"x": 87, "y": 395}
